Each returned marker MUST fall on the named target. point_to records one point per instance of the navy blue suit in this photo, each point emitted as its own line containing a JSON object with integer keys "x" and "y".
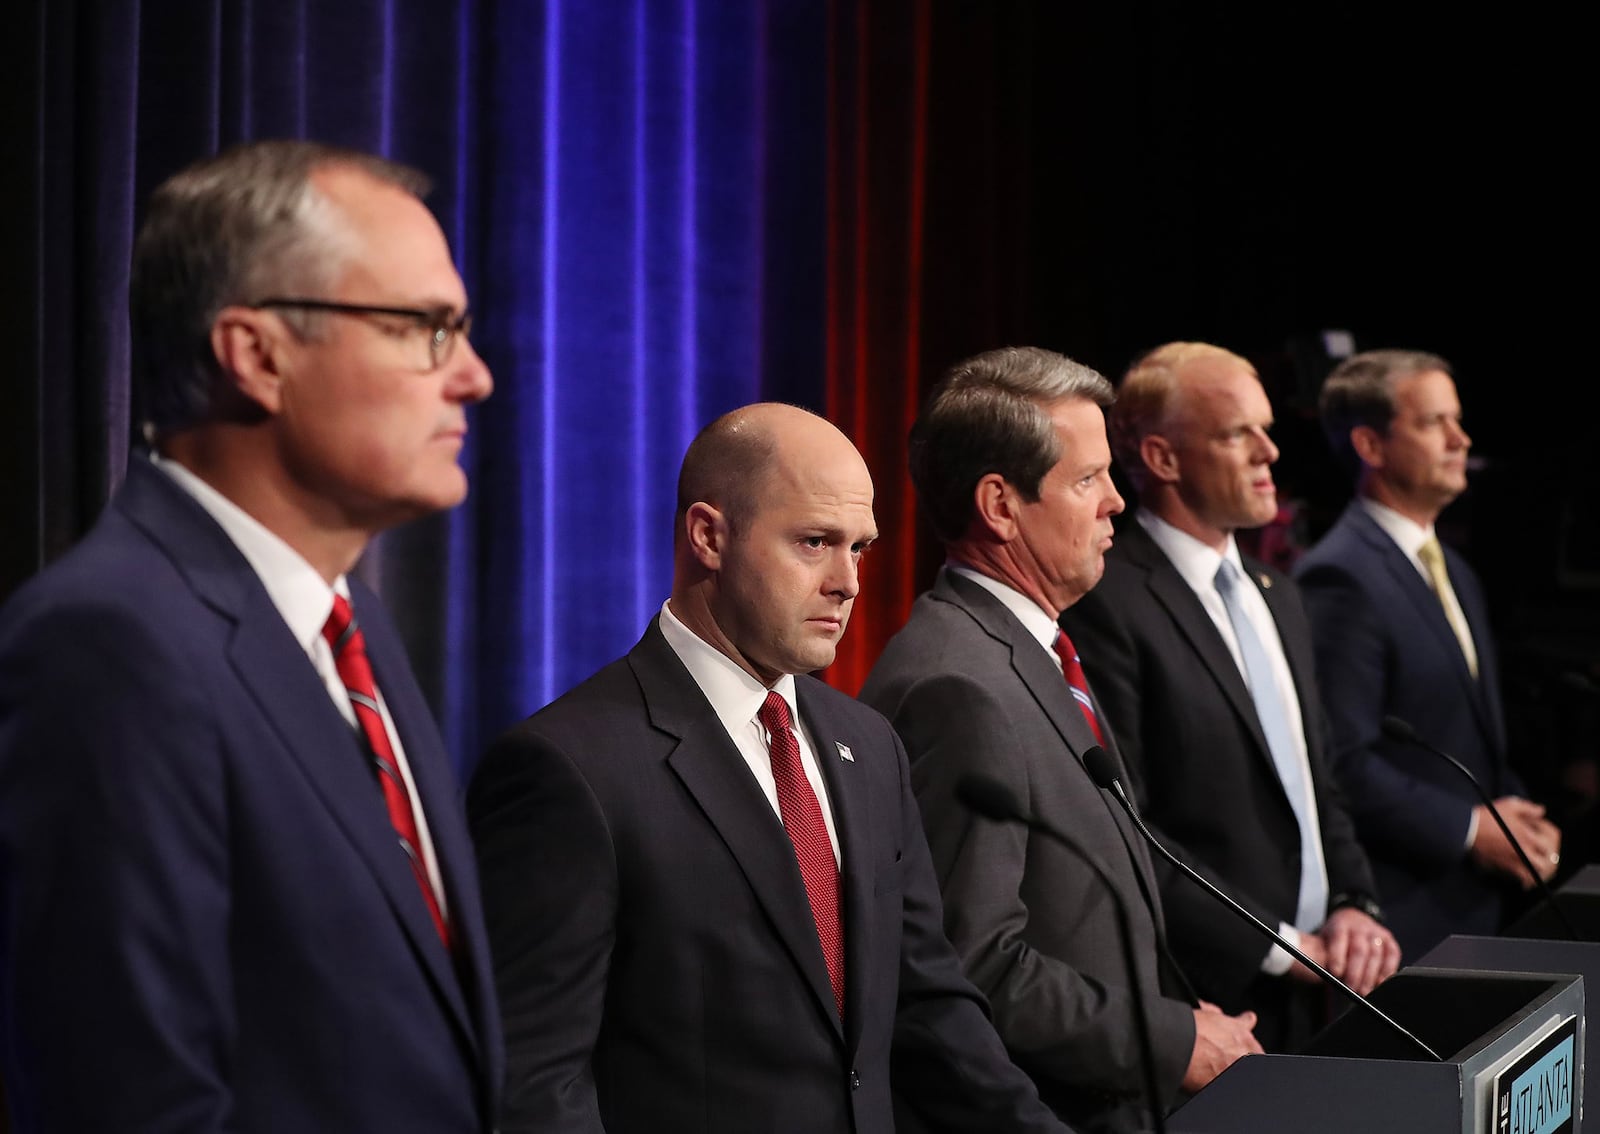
{"x": 1384, "y": 647}
{"x": 206, "y": 921}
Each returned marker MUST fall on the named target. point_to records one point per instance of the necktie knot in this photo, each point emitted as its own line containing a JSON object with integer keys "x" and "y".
{"x": 774, "y": 714}
{"x": 1223, "y": 580}
{"x": 340, "y": 629}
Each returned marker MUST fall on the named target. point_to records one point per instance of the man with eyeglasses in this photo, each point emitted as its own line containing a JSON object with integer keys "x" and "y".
{"x": 236, "y": 889}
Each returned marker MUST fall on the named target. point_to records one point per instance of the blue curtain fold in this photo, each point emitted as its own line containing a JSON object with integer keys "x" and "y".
{"x": 632, "y": 189}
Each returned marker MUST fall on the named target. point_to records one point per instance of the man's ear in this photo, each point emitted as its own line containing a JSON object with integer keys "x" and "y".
{"x": 706, "y": 530}
{"x": 1160, "y": 458}
{"x": 1368, "y": 444}
{"x": 249, "y": 346}
{"x": 995, "y": 507}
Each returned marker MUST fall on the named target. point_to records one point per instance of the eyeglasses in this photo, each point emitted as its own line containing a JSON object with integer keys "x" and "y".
{"x": 442, "y": 326}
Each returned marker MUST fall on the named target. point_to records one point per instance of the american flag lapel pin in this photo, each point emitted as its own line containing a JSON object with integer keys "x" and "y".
{"x": 844, "y": 752}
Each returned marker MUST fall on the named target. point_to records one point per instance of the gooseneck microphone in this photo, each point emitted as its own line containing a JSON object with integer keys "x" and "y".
{"x": 1401, "y": 731}
{"x": 990, "y": 798}
{"x": 1102, "y": 770}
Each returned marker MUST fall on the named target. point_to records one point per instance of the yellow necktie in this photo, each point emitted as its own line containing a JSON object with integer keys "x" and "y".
{"x": 1432, "y": 556}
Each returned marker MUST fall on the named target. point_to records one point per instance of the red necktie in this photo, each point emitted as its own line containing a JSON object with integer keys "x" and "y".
{"x": 802, "y": 819}
{"x": 1072, "y": 670}
{"x": 350, "y": 656}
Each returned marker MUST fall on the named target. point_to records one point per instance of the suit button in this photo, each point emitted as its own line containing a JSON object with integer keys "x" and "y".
{"x": 855, "y": 1080}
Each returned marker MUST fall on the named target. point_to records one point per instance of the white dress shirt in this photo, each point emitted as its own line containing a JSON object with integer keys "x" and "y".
{"x": 1037, "y": 621}
{"x": 304, "y": 600}
{"x": 1198, "y": 563}
{"x": 737, "y": 698}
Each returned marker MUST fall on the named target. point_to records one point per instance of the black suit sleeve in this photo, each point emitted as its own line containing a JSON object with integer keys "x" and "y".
{"x": 549, "y": 880}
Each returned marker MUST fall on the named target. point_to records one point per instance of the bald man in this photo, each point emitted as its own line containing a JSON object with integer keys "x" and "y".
{"x": 711, "y": 904}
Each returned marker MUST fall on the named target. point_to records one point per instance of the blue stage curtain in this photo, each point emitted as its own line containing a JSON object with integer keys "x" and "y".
{"x": 634, "y": 190}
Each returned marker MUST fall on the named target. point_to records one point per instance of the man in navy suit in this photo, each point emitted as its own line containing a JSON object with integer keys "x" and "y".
{"x": 709, "y": 897}
{"x": 236, "y": 889}
{"x": 1401, "y": 629}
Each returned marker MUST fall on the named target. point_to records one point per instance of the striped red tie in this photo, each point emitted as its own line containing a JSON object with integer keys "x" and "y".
{"x": 802, "y": 819}
{"x": 1072, "y": 670}
{"x": 350, "y": 656}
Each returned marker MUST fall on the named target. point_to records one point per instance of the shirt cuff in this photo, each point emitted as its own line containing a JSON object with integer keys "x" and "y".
{"x": 1472, "y": 828}
{"x": 1278, "y": 960}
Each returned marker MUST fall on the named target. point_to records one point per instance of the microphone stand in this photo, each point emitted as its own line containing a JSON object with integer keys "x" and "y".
{"x": 1103, "y": 772}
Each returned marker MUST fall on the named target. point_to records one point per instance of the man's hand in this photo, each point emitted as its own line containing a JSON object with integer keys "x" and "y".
{"x": 1219, "y": 1039}
{"x": 1314, "y": 947}
{"x": 1360, "y": 951}
{"x": 1538, "y": 836}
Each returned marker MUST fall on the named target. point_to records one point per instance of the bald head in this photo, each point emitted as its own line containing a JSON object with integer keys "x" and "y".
{"x": 774, "y": 513}
{"x": 728, "y": 464}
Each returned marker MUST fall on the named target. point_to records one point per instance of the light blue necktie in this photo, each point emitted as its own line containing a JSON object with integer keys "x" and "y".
{"x": 1275, "y": 724}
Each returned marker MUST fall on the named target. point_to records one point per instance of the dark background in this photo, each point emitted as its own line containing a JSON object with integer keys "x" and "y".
{"x": 921, "y": 179}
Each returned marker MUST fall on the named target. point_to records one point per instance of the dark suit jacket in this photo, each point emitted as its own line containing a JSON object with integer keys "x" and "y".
{"x": 1205, "y": 779}
{"x": 206, "y": 922}
{"x": 1385, "y": 647}
{"x": 657, "y": 962}
{"x": 971, "y": 692}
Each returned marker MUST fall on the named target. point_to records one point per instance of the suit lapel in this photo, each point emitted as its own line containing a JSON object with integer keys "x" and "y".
{"x": 328, "y": 754}
{"x": 1423, "y": 597}
{"x": 1176, "y": 597}
{"x": 1488, "y": 679}
{"x": 273, "y": 669}
{"x": 437, "y": 795}
{"x": 1048, "y": 688}
{"x": 852, "y": 809}
{"x": 1296, "y": 648}
{"x": 706, "y": 761}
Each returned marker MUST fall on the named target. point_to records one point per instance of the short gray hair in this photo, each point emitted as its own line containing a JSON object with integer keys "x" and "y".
{"x": 232, "y": 228}
{"x": 989, "y": 414}
{"x": 1360, "y": 391}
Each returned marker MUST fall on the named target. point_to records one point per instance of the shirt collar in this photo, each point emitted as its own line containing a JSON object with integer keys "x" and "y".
{"x": 1034, "y": 618}
{"x": 1406, "y": 532}
{"x": 302, "y": 597}
{"x": 1195, "y": 560}
{"x": 734, "y": 694}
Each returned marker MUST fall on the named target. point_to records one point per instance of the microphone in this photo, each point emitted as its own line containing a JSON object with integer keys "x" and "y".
{"x": 1401, "y": 731}
{"x": 992, "y": 799}
{"x": 1103, "y": 771}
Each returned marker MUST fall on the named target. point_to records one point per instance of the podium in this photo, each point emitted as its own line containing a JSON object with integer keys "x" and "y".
{"x": 1512, "y": 1045}
{"x": 1526, "y": 955}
